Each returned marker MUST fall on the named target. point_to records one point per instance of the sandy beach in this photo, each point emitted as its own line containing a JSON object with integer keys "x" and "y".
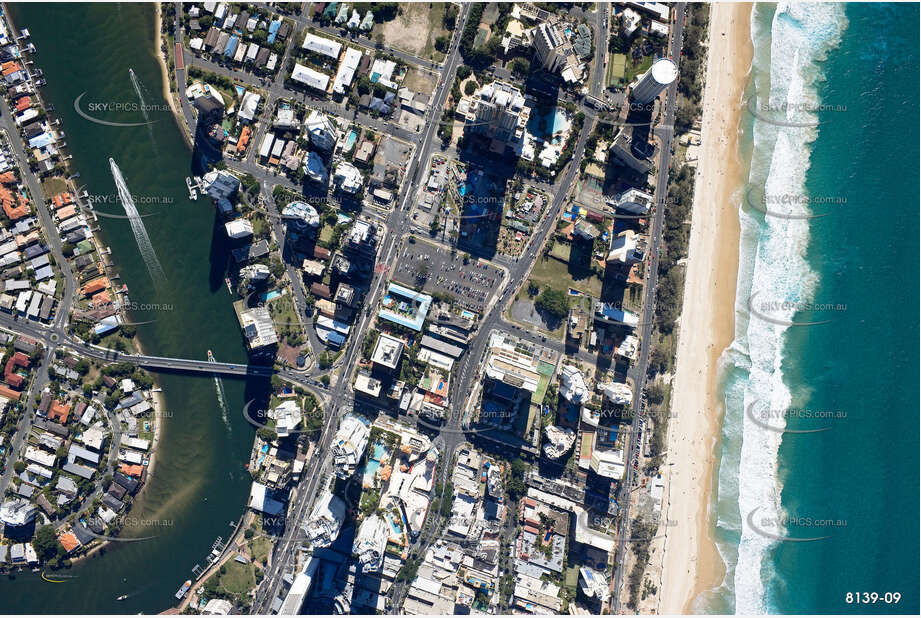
{"x": 691, "y": 563}
{"x": 168, "y": 96}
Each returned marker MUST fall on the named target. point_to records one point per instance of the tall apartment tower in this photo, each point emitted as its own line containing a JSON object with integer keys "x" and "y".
{"x": 662, "y": 73}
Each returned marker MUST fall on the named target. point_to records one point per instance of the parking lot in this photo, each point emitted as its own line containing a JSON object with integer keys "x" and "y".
{"x": 434, "y": 270}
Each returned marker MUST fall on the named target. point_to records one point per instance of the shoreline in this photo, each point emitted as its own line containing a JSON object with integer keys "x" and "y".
{"x": 165, "y": 75}
{"x": 691, "y": 562}
{"x": 158, "y": 401}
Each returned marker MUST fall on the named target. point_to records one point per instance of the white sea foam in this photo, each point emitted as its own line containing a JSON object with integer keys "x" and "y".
{"x": 772, "y": 267}
{"x": 137, "y": 225}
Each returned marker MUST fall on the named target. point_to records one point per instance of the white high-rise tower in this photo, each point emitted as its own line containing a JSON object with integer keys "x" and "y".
{"x": 662, "y": 73}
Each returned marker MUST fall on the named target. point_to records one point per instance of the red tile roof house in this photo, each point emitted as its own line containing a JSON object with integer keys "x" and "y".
{"x": 23, "y": 103}
{"x": 59, "y": 412}
{"x": 9, "y": 393}
{"x": 21, "y": 360}
{"x": 13, "y": 379}
{"x": 69, "y": 541}
{"x": 9, "y": 373}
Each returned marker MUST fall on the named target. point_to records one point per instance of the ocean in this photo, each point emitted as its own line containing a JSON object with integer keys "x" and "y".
{"x": 817, "y": 492}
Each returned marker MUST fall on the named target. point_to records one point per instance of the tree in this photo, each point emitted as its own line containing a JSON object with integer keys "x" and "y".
{"x": 685, "y": 114}
{"x": 553, "y": 302}
{"x": 19, "y": 467}
{"x": 267, "y": 434}
{"x": 655, "y": 393}
{"x": 367, "y": 343}
{"x": 469, "y": 88}
{"x": 442, "y": 43}
{"x": 516, "y": 486}
{"x": 369, "y": 502}
{"x": 449, "y": 20}
{"x": 46, "y": 543}
{"x": 325, "y": 380}
{"x": 463, "y": 71}
{"x": 658, "y": 359}
{"x": 385, "y": 11}
{"x": 520, "y": 67}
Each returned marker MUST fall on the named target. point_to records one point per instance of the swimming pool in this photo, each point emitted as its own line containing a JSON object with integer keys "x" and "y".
{"x": 466, "y": 313}
{"x": 350, "y": 140}
{"x": 267, "y": 296}
{"x": 397, "y": 530}
{"x": 551, "y": 123}
{"x": 374, "y": 462}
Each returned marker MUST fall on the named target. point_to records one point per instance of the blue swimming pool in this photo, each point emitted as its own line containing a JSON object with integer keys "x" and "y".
{"x": 267, "y": 296}
{"x": 545, "y": 126}
{"x": 350, "y": 140}
{"x": 397, "y": 531}
{"x": 374, "y": 462}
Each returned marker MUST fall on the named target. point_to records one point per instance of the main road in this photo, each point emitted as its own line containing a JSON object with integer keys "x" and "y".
{"x": 665, "y": 133}
{"x": 284, "y": 555}
{"x": 452, "y": 434}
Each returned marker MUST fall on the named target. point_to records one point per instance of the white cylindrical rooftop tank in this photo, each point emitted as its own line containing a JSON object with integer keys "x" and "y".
{"x": 662, "y": 73}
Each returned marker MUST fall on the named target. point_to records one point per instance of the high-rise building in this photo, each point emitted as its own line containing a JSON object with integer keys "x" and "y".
{"x": 554, "y": 51}
{"x": 497, "y": 111}
{"x": 325, "y": 522}
{"x": 662, "y": 73}
{"x": 370, "y": 543}
{"x": 349, "y": 445}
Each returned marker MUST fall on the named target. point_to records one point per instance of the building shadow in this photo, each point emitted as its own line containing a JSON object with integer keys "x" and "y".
{"x": 219, "y": 255}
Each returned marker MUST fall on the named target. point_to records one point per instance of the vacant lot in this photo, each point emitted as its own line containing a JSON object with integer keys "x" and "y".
{"x": 636, "y": 68}
{"x": 415, "y": 29}
{"x": 556, "y": 274}
{"x": 237, "y": 578}
{"x": 52, "y": 186}
{"x": 419, "y": 81}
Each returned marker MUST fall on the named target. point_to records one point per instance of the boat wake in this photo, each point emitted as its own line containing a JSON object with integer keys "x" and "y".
{"x": 221, "y": 397}
{"x": 137, "y": 226}
{"x": 137, "y": 88}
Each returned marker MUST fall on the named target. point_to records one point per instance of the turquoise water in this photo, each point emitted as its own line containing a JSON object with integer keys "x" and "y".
{"x": 267, "y": 296}
{"x": 374, "y": 462}
{"x": 350, "y": 140}
{"x": 547, "y": 125}
{"x": 851, "y": 487}
{"x": 397, "y": 531}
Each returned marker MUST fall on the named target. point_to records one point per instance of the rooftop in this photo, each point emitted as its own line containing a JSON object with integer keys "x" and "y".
{"x": 387, "y": 351}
